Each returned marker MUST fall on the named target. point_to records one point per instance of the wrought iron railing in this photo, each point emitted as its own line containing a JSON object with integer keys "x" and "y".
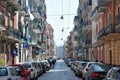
{"x": 14, "y": 33}
{"x": 101, "y": 33}
{"x": 88, "y": 41}
{"x": 2, "y": 21}
{"x": 109, "y": 29}
{"x": 94, "y": 11}
{"x": 118, "y": 19}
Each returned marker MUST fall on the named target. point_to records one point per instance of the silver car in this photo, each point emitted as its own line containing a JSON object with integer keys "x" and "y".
{"x": 8, "y": 73}
{"x": 113, "y": 74}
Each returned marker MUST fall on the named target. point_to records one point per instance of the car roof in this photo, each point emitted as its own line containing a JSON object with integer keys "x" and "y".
{"x": 6, "y": 67}
{"x": 116, "y": 68}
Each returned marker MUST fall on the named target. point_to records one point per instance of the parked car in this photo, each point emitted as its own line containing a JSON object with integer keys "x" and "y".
{"x": 74, "y": 65}
{"x": 70, "y": 61}
{"x": 9, "y": 73}
{"x": 44, "y": 67}
{"x": 21, "y": 70}
{"x": 33, "y": 71}
{"x": 38, "y": 66}
{"x": 113, "y": 74}
{"x": 46, "y": 64}
{"x": 80, "y": 68}
{"x": 96, "y": 71}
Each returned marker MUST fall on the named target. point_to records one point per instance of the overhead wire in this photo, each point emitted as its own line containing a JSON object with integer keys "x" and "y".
{"x": 60, "y": 14}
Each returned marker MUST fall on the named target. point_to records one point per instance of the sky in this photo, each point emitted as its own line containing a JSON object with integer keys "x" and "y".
{"x": 56, "y": 8}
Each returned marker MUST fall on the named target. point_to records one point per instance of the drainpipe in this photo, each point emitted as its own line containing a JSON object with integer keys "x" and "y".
{"x": 113, "y": 10}
{"x": 113, "y": 13}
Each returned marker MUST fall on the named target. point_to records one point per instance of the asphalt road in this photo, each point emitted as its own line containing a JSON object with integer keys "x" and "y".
{"x": 59, "y": 72}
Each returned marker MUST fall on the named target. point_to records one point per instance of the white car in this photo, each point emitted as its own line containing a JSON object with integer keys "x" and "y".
{"x": 47, "y": 64}
{"x": 8, "y": 73}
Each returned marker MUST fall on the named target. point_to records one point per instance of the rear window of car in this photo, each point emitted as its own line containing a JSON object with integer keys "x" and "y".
{"x": 18, "y": 68}
{"x": 3, "y": 72}
{"x": 83, "y": 64}
{"x": 98, "y": 68}
{"x": 27, "y": 66}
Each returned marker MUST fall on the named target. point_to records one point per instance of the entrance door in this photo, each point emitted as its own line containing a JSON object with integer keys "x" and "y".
{"x": 110, "y": 56}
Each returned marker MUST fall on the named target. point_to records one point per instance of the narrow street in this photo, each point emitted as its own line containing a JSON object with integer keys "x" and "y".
{"x": 59, "y": 72}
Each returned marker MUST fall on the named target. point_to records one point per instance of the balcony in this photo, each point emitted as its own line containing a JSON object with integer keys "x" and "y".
{"x": 110, "y": 33}
{"x": 109, "y": 29}
{"x": 13, "y": 34}
{"x": 89, "y": 24}
{"x": 87, "y": 27}
{"x": 95, "y": 15}
{"x": 102, "y": 5}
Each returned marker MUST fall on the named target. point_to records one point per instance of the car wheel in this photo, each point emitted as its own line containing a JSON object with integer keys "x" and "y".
{"x": 80, "y": 75}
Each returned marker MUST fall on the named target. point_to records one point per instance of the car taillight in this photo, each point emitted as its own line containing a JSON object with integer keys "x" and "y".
{"x": 95, "y": 74}
{"x": 9, "y": 79}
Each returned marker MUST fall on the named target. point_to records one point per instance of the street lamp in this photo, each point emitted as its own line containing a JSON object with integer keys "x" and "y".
{"x": 61, "y": 17}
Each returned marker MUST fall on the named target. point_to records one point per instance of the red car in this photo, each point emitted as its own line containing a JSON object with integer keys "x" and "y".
{"x": 25, "y": 74}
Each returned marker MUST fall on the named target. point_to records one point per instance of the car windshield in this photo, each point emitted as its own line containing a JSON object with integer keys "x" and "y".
{"x": 3, "y": 72}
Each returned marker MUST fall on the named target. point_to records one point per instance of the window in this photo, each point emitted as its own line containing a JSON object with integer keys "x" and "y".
{"x": 13, "y": 21}
{"x": 8, "y": 20}
{"x": 3, "y": 72}
{"x": 18, "y": 68}
{"x": 12, "y": 71}
{"x": 118, "y": 10}
{"x": 110, "y": 73}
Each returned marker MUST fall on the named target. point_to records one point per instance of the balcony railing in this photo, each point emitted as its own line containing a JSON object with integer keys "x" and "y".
{"x": 14, "y": 33}
{"x": 94, "y": 11}
{"x": 88, "y": 42}
{"x": 101, "y": 33}
{"x": 2, "y": 21}
{"x": 118, "y": 19}
{"x": 88, "y": 23}
{"x": 109, "y": 29}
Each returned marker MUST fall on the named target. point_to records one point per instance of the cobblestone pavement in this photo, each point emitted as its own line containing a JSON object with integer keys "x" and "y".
{"x": 59, "y": 72}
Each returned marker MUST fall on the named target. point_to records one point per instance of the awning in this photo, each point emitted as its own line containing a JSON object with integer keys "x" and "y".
{"x": 36, "y": 14}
